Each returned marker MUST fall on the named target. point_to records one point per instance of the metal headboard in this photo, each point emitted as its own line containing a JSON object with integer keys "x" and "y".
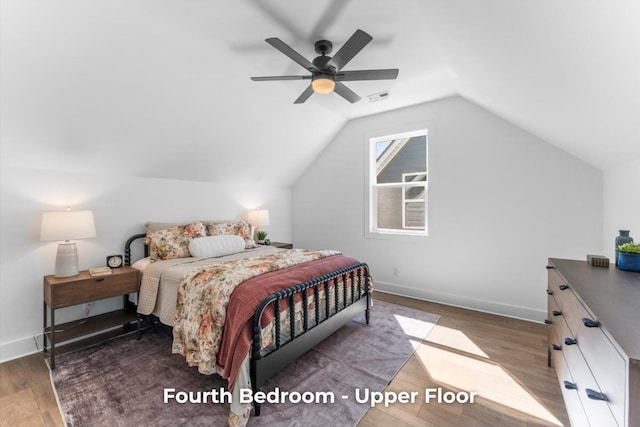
{"x": 127, "y": 247}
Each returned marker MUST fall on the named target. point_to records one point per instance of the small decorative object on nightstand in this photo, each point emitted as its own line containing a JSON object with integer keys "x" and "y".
{"x": 115, "y": 261}
{"x": 259, "y": 218}
{"x": 262, "y": 237}
{"x": 81, "y": 289}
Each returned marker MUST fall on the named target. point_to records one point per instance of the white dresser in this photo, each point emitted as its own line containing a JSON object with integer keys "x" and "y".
{"x": 594, "y": 342}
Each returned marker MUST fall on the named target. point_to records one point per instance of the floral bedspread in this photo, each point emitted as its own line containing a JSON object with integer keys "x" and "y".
{"x": 203, "y": 297}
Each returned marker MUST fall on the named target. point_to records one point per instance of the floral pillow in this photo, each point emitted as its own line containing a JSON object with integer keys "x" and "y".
{"x": 173, "y": 242}
{"x": 240, "y": 228}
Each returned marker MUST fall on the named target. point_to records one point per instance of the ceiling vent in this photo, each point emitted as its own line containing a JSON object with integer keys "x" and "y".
{"x": 379, "y": 96}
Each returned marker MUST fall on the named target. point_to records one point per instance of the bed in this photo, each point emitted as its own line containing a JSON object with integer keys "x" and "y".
{"x": 244, "y": 314}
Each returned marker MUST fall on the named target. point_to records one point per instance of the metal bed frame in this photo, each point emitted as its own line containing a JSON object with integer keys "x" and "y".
{"x": 265, "y": 366}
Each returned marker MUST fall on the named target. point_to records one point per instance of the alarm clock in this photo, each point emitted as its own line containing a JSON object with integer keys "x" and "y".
{"x": 114, "y": 261}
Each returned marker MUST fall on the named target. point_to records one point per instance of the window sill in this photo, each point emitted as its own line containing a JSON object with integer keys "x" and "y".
{"x": 406, "y": 236}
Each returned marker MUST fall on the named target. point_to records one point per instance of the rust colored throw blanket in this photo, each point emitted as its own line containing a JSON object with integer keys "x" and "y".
{"x": 224, "y": 297}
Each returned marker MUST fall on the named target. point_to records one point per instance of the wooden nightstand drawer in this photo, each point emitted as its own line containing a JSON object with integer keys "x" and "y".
{"x": 63, "y": 292}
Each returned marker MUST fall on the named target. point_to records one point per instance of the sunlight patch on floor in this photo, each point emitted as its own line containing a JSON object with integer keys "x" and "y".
{"x": 453, "y": 338}
{"x": 491, "y": 381}
{"x": 413, "y": 327}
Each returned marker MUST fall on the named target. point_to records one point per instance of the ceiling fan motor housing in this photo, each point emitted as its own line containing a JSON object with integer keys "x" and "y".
{"x": 320, "y": 62}
{"x": 323, "y": 47}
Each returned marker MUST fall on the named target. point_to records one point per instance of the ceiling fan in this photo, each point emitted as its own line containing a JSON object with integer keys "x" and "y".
{"x": 326, "y": 71}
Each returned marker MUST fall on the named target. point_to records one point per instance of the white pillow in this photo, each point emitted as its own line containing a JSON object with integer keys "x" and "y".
{"x": 216, "y": 246}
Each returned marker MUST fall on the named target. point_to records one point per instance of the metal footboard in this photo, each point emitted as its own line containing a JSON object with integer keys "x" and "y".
{"x": 354, "y": 278}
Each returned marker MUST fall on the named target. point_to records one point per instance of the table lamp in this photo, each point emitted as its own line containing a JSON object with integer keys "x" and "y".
{"x": 64, "y": 227}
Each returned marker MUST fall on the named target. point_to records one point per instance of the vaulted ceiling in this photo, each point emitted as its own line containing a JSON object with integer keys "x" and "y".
{"x": 161, "y": 88}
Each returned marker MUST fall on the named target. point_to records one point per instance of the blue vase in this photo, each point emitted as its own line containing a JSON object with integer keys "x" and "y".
{"x": 629, "y": 262}
{"x": 621, "y": 240}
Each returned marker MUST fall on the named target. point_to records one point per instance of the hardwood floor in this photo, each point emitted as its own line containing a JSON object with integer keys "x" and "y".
{"x": 26, "y": 396}
{"x": 504, "y": 360}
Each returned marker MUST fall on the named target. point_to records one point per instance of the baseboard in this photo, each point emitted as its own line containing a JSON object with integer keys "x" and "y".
{"x": 493, "y": 307}
{"x": 18, "y": 348}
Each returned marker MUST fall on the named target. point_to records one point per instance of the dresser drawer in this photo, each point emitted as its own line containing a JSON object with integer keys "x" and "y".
{"x": 571, "y": 399}
{"x": 598, "y": 411}
{"x": 607, "y": 365}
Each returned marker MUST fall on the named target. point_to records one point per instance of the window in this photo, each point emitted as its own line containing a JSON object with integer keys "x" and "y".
{"x": 397, "y": 184}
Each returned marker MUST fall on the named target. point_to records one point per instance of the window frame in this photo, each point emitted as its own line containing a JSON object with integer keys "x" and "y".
{"x": 371, "y": 185}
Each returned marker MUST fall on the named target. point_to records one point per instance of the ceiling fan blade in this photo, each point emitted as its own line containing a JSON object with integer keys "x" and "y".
{"x": 274, "y": 78}
{"x": 346, "y": 93}
{"x": 355, "y": 44}
{"x": 349, "y": 76}
{"x": 278, "y": 17}
{"x": 288, "y": 50}
{"x": 304, "y": 96}
{"x": 327, "y": 19}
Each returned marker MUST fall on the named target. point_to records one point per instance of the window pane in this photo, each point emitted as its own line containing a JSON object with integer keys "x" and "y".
{"x": 412, "y": 193}
{"x": 418, "y": 177}
{"x": 394, "y": 214}
{"x": 389, "y": 208}
{"x": 399, "y": 157}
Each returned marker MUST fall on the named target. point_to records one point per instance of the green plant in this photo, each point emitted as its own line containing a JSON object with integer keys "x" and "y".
{"x": 630, "y": 248}
{"x": 261, "y": 234}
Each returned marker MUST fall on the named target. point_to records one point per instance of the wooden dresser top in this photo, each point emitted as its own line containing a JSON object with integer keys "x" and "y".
{"x": 611, "y": 295}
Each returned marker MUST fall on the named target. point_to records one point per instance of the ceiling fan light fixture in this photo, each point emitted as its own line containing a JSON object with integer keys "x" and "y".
{"x": 323, "y": 83}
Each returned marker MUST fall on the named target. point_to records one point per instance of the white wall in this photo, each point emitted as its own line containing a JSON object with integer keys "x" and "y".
{"x": 621, "y": 203}
{"x": 501, "y": 201}
{"x": 121, "y": 206}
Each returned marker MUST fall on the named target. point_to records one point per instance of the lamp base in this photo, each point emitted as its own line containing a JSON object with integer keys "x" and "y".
{"x": 66, "y": 260}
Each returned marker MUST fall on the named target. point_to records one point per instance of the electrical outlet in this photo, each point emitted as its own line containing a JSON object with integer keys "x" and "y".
{"x": 90, "y": 304}
{"x": 395, "y": 272}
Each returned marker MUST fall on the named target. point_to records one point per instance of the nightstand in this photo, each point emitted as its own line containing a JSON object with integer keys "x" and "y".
{"x": 81, "y": 289}
{"x": 282, "y": 245}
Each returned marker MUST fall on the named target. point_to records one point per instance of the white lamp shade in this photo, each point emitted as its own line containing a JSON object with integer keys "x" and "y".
{"x": 258, "y": 217}
{"x": 67, "y": 225}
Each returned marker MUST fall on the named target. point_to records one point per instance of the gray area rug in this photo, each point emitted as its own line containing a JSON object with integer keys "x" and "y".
{"x": 121, "y": 382}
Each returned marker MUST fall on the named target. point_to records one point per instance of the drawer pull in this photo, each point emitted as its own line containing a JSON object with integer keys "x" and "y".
{"x": 556, "y": 313}
{"x": 550, "y": 267}
{"x": 563, "y": 287}
{"x": 547, "y": 322}
{"x": 570, "y": 386}
{"x": 590, "y": 323}
{"x": 549, "y": 292}
{"x": 556, "y": 347}
{"x": 99, "y": 279}
{"x": 570, "y": 341}
{"x": 595, "y": 395}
